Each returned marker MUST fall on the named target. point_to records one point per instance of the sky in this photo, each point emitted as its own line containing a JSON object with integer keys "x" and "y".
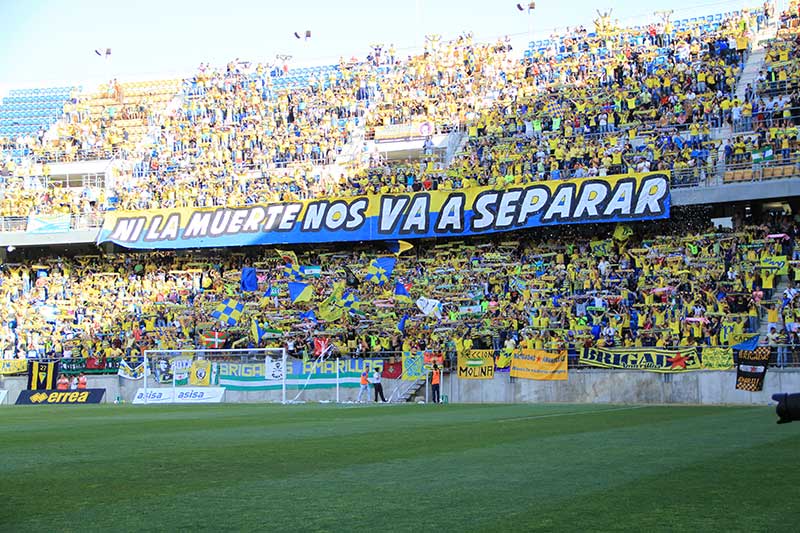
{"x": 48, "y": 42}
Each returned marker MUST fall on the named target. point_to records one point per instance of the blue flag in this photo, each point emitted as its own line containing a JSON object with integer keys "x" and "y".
{"x": 292, "y": 271}
{"x": 309, "y": 315}
{"x": 401, "y": 325}
{"x": 401, "y": 293}
{"x": 249, "y": 280}
{"x": 300, "y": 292}
{"x": 257, "y": 331}
{"x": 380, "y": 270}
{"x": 748, "y": 345}
{"x": 228, "y": 311}
{"x": 351, "y": 302}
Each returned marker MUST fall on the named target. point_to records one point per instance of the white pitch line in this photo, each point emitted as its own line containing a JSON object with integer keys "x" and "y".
{"x": 574, "y": 413}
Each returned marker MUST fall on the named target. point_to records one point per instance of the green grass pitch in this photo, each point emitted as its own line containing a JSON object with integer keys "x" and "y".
{"x": 398, "y": 468}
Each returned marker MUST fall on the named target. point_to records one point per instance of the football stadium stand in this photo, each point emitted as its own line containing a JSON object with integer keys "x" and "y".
{"x": 30, "y": 112}
{"x": 711, "y": 103}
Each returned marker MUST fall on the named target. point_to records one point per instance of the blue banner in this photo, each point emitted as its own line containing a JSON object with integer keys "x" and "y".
{"x": 426, "y": 214}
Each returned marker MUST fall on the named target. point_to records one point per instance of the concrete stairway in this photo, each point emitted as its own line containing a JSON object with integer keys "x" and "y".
{"x": 406, "y": 390}
{"x": 781, "y": 283}
{"x": 755, "y": 60}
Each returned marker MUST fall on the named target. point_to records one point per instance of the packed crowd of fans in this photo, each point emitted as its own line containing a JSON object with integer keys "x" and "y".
{"x": 615, "y": 100}
{"x": 573, "y": 291}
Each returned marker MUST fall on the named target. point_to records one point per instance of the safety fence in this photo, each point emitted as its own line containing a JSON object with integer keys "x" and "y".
{"x": 660, "y": 359}
{"x": 51, "y": 223}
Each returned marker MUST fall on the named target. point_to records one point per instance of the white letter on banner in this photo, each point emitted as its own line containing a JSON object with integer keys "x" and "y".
{"x": 152, "y": 231}
{"x": 315, "y": 212}
{"x": 127, "y": 229}
{"x": 534, "y": 200}
{"x": 591, "y": 195}
{"x": 561, "y": 204}
{"x": 237, "y": 219}
{"x": 417, "y": 214}
{"x": 273, "y": 212}
{"x": 254, "y": 219}
{"x": 390, "y": 212}
{"x": 357, "y": 209}
{"x": 219, "y": 222}
{"x": 507, "y": 209}
{"x": 198, "y": 224}
{"x": 336, "y": 216}
{"x": 622, "y": 200}
{"x": 171, "y": 227}
{"x": 653, "y": 189}
{"x": 481, "y": 208}
{"x": 450, "y": 216}
{"x": 289, "y": 217}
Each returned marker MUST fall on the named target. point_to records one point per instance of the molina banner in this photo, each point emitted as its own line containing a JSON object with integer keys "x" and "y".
{"x": 652, "y": 359}
{"x": 425, "y": 214}
{"x": 476, "y": 364}
{"x": 752, "y": 369}
{"x": 60, "y": 397}
{"x": 539, "y": 365}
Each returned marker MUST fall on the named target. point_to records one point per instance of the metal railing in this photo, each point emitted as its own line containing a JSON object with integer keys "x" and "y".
{"x": 721, "y": 174}
{"x": 781, "y": 356}
{"x": 77, "y": 222}
{"x": 776, "y": 88}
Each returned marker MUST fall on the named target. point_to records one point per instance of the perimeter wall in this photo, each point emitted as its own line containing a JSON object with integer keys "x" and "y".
{"x": 583, "y": 386}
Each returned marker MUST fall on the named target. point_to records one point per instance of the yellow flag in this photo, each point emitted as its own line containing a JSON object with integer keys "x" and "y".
{"x": 623, "y": 232}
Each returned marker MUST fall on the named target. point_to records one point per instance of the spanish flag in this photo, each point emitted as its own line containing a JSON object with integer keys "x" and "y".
{"x": 42, "y": 376}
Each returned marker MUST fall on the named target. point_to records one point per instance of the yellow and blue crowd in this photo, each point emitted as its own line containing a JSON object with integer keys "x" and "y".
{"x": 560, "y": 289}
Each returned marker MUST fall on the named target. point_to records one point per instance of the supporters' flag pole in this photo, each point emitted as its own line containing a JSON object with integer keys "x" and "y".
{"x": 427, "y": 386}
{"x": 146, "y": 366}
{"x": 337, "y": 381}
{"x": 323, "y": 354}
{"x": 283, "y": 380}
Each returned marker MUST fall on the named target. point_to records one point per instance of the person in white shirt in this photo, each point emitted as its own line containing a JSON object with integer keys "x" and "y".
{"x": 376, "y": 384}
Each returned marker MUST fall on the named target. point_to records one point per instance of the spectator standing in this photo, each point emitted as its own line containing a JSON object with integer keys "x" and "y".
{"x": 364, "y": 390}
{"x": 377, "y": 385}
{"x": 435, "y": 380}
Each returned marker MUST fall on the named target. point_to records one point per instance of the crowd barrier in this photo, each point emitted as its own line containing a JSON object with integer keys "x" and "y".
{"x": 576, "y": 357}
